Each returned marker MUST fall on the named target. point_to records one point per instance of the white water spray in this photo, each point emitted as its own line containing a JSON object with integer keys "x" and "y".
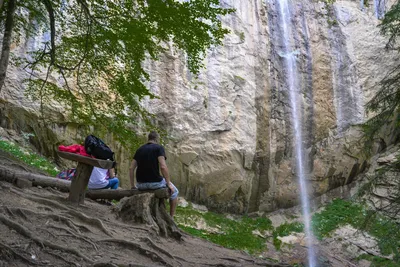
{"x": 289, "y": 56}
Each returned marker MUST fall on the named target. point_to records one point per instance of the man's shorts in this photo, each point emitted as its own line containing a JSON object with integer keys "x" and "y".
{"x": 153, "y": 186}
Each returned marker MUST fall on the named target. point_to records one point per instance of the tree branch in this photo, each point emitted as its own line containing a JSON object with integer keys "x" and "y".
{"x": 5, "y": 51}
{"x": 50, "y": 10}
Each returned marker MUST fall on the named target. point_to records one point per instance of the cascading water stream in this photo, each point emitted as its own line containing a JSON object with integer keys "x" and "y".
{"x": 379, "y": 7}
{"x": 294, "y": 93}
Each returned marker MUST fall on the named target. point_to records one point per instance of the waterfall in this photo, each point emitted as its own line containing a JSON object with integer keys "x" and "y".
{"x": 292, "y": 79}
{"x": 379, "y": 7}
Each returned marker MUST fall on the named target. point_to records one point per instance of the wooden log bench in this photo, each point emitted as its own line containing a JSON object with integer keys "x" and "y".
{"x": 82, "y": 175}
{"x": 121, "y": 193}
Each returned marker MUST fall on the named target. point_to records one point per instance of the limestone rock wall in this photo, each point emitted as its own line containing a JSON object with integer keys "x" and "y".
{"x": 230, "y": 131}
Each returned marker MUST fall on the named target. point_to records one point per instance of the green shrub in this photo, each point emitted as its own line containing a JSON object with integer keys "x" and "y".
{"x": 341, "y": 212}
{"x": 378, "y": 261}
{"x": 337, "y": 213}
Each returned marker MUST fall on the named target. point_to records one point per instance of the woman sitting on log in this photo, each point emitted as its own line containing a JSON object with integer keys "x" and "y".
{"x": 103, "y": 179}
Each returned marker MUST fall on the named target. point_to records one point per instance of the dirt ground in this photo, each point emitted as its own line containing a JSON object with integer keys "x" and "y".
{"x": 38, "y": 227}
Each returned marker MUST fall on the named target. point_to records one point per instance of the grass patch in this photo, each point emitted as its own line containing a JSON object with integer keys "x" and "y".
{"x": 29, "y": 157}
{"x": 285, "y": 230}
{"x": 337, "y": 213}
{"x": 233, "y": 234}
{"x": 378, "y": 261}
{"x": 341, "y": 212}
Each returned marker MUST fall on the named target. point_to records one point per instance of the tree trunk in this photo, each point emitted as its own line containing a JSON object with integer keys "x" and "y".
{"x": 36, "y": 179}
{"x": 5, "y": 51}
{"x": 147, "y": 209}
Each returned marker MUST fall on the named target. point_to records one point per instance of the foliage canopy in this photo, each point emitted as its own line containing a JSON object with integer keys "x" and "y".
{"x": 97, "y": 49}
{"x": 385, "y": 106}
{"x": 386, "y": 103}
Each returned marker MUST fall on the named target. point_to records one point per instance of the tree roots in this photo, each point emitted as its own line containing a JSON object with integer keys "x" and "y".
{"x": 7, "y": 249}
{"x": 25, "y": 232}
{"x": 90, "y": 220}
{"x": 151, "y": 254}
{"x": 87, "y": 240}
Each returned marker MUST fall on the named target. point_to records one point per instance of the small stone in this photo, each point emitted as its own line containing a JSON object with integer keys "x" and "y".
{"x": 199, "y": 207}
{"x": 182, "y": 202}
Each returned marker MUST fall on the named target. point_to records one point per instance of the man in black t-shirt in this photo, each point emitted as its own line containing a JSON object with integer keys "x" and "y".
{"x": 149, "y": 159}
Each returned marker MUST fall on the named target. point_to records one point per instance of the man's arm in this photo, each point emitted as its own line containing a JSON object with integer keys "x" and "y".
{"x": 111, "y": 173}
{"x": 132, "y": 173}
{"x": 164, "y": 172}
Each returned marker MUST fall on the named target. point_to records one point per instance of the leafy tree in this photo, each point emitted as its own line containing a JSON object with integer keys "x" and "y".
{"x": 97, "y": 48}
{"x": 385, "y": 106}
{"x": 386, "y": 103}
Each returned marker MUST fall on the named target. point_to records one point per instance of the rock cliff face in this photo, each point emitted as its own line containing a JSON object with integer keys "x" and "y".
{"x": 230, "y": 143}
{"x": 231, "y": 129}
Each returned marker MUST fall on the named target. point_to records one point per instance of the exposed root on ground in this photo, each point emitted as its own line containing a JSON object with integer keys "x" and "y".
{"x": 110, "y": 264}
{"x": 61, "y": 257}
{"x": 40, "y": 200}
{"x": 90, "y": 220}
{"x": 73, "y": 234}
{"x": 133, "y": 227}
{"x": 74, "y": 225}
{"x": 105, "y": 264}
{"x": 25, "y": 232}
{"x": 9, "y": 211}
{"x": 7, "y": 185}
{"x": 154, "y": 246}
{"x": 5, "y": 248}
{"x": 151, "y": 254}
{"x": 49, "y": 232}
{"x": 55, "y": 192}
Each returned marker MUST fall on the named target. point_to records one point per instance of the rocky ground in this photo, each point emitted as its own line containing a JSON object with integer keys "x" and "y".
{"x": 38, "y": 227}
{"x": 341, "y": 249}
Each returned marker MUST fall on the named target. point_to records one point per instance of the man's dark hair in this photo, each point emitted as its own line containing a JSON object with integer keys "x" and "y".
{"x": 153, "y": 136}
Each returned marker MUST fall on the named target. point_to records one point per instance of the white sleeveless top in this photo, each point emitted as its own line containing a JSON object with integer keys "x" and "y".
{"x": 98, "y": 179}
